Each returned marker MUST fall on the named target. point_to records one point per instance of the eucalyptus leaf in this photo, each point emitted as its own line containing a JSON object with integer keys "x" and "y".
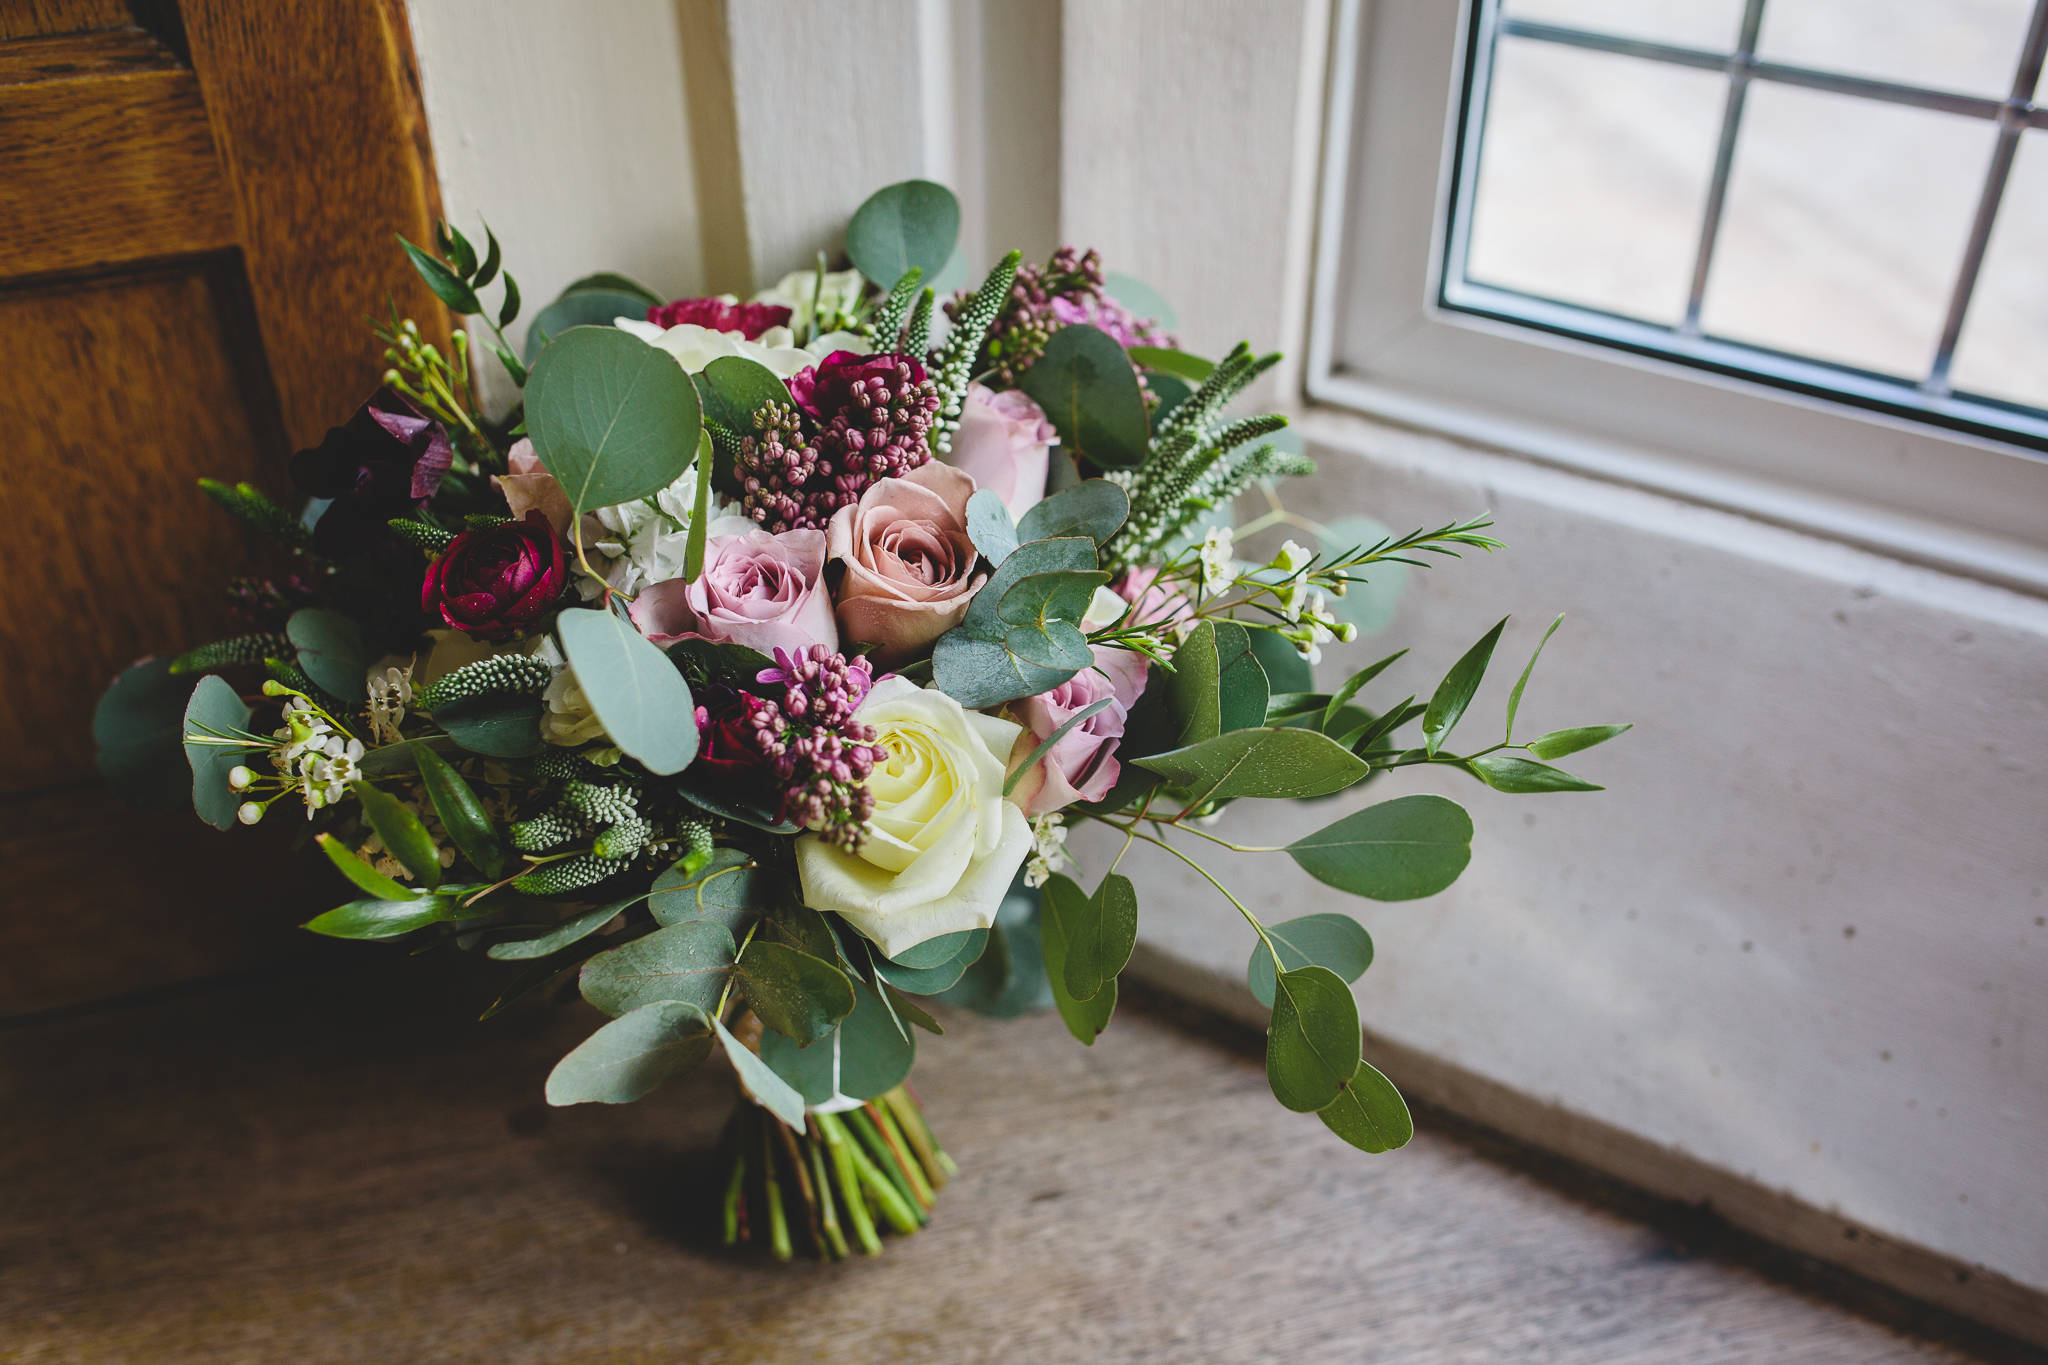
{"x": 674, "y": 895}
{"x": 1241, "y": 686}
{"x": 733, "y": 388}
{"x": 776, "y": 1095}
{"x": 1066, "y": 913}
{"x": 495, "y": 726}
{"x": 1454, "y": 693}
{"x": 611, "y": 282}
{"x": 1095, "y": 508}
{"x": 1193, "y": 693}
{"x": 367, "y": 878}
{"x": 635, "y": 692}
{"x": 1099, "y": 937}
{"x": 1338, "y": 942}
{"x": 1172, "y": 391}
{"x": 1286, "y": 669}
{"x": 1399, "y": 850}
{"x": 874, "y": 1054}
{"x": 1089, "y": 391}
{"x": 1558, "y": 743}
{"x": 812, "y": 1072}
{"x": 1312, "y": 1044}
{"x": 989, "y": 526}
{"x": 403, "y": 834}
{"x": 139, "y": 726}
{"x": 911, "y": 225}
{"x": 1524, "y": 776}
{"x": 632, "y": 1055}
{"x": 793, "y": 992}
{"x": 611, "y": 417}
{"x": 978, "y": 664}
{"x": 909, "y": 1009}
{"x": 1369, "y": 1113}
{"x": 462, "y": 812}
{"x": 595, "y": 308}
{"x": 687, "y": 961}
{"x": 1275, "y": 763}
{"x": 703, "y": 793}
{"x": 1008, "y": 978}
{"x": 214, "y": 713}
{"x": 948, "y": 957}
{"x": 1141, "y": 298}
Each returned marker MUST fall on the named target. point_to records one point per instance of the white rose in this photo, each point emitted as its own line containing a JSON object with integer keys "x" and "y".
{"x": 694, "y": 347}
{"x": 942, "y": 843}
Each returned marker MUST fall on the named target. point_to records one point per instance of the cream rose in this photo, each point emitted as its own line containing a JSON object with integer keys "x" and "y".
{"x": 942, "y": 843}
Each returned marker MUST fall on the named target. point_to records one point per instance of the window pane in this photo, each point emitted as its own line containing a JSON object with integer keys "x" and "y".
{"x": 1844, "y": 225}
{"x": 1593, "y": 178}
{"x": 1971, "y": 46}
{"x": 2004, "y": 346}
{"x": 1711, "y": 24}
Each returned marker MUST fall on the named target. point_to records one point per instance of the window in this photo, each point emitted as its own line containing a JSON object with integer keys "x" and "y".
{"x": 1724, "y": 187}
{"x": 1781, "y": 255}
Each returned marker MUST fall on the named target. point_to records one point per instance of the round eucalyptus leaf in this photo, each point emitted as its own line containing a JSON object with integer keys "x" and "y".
{"x": 611, "y": 417}
{"x": 637, "y": 694}
{"x": 580, "y": 308}
{"x": 139, "y": 726}
{"x": 330, "y": 647}
{"x": 214, "y": 713}
{"x": 910, "y": 225}
{"x": 632, "y": 1055}
{"x": 1312, "y": 1045}
{"x": 1370, "y": 1113}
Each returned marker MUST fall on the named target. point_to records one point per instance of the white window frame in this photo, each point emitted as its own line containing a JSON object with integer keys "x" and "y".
{"x": 1380, "y": 343}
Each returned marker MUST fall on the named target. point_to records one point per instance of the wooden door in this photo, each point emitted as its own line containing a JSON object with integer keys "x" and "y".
{"x": 197, "y": 207}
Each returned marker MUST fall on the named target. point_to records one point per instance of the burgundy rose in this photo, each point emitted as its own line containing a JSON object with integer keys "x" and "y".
{"x": 385, "y": 461}
{"x": 492, "y": 583}
{"x": 748, "y": 319}
{"x": 842, "y": 380}
{"x": 725, "y": 739}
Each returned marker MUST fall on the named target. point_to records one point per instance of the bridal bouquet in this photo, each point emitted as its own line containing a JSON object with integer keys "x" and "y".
{"x": 749, "y": 673}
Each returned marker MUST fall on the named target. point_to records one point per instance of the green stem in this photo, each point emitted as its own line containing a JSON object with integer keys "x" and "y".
{"x": 735, "y": 1187}
{"x": 778, "y": 1225}
{"x": 828, "y": 1211}
{"x": 887, "y": 1197}
{"x": 899, "y": 1148}
{"x": 875, "y": 1147}
{"x": 1249, "y": 917}
{"x": 840, "y": 1143}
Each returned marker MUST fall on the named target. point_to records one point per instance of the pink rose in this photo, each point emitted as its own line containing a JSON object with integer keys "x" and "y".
{"x": 529, "y": 487}
{"x": 756, "y": 590}
{"x": 909, "y": 561}
{"x": 1002, "y": 441}
{"x": 1083, "y": 765}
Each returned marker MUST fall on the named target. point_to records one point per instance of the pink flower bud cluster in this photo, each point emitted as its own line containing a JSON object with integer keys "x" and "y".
{"x": 1067, "y": 289}
{"x": 858, "y": 418}
{"x": 821, "y": 756}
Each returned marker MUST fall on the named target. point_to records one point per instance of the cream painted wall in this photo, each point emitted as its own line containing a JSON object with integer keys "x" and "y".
{"x": 563, "y": 127}
{"x": 1827, "y": 739}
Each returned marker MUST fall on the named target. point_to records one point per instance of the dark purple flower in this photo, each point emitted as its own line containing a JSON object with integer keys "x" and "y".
{"x": 748, "y": 319}
{"x": 841, "y": 380}
{"x": 384, "y": 462}
{"x": 493, "y": 582}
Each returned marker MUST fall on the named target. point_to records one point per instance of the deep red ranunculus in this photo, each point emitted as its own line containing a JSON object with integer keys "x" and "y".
{"x": 492, "y": 582}
{"x": 382, "y": 463}
{"x": 725, "y": 739}
{"x": 748, "y": 319}
{"x": 826, "y": 389}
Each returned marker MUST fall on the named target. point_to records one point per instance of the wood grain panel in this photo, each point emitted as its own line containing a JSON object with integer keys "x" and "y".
{"x": 117, "y": 396}
{"x": 316, "y": 110}
{"x": 104, "y": 901}
{"x": 101, "y": 169}
{"x": 32, "y": 18}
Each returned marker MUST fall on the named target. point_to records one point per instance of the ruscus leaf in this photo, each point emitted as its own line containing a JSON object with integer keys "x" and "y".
{"x": 462, "y": 812}
{"x": 402, "y": 833}
{"x": 1276, "y": 763}
{"x": 1558, "y": 743}
{"x": 1523, "y": 776}
{"x": 1454, "y": 693}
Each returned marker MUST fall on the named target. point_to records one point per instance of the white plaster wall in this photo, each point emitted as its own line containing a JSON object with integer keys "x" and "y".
{"x": 564, "y": 127}
{"x": 1179, "y": 154}
{"x": 1802, "y": 935}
